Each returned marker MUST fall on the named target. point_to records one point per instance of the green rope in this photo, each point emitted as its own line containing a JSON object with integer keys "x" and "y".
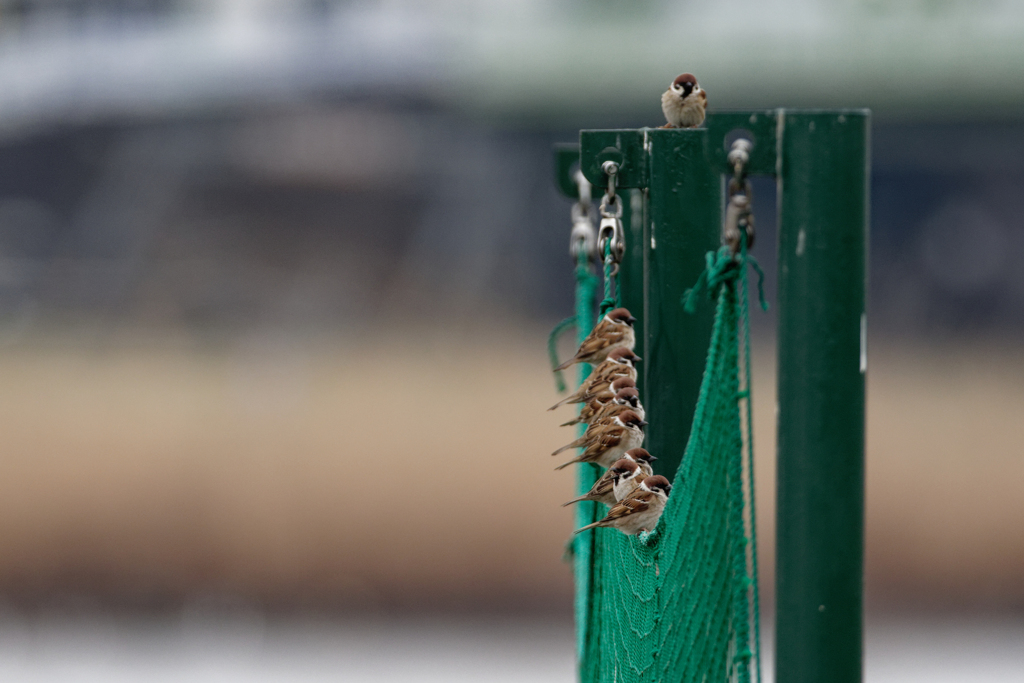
{"x": 585, "y": 283}
{"x": 583, "y": 546}
{"x": 719, "y": 268}
{"x": 760, "y": 277}
{"x": 723, "y": 268}
{"x": 748, "y": 395}
{"x": 611, "y": 295}
{"x": 553, "y": 350}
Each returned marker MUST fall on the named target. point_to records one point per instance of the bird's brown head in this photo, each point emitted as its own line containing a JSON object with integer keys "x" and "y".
{"x": 623, "y": 466}
{"x": 621, "y": 315}
{"x": 658, "y": 483}
{"x": 641, "y": 455}
{"x": 631, "y": 419}
{"x": 621, "y": 383}
{"x": 685, "y": 84}
{"x": 628, "y": 397}
{"x": 623, "y": 356}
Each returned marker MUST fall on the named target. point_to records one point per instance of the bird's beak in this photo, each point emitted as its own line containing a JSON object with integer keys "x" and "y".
{"x": 652, "y": 458}
{"x": 644, "y": 423}
{"x": 630, "y": 320}
{"x": 637, "y": 359}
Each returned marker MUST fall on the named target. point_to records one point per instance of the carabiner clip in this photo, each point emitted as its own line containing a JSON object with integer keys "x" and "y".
{"x": 583, "y": 237}
{"x": 610, "y": 234}
{"x": 739, "y": 221}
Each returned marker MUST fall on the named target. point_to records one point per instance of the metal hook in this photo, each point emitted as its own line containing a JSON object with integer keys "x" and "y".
{"x": 610, "y": 233}
{"x": 739, "y": 155}
{"x": 583, "y": 237}
{"x": 739, "y": 221}
{"x": 583, "y": 188}
{"x": 611, "y": 169}
{"x": 739, "y": 215}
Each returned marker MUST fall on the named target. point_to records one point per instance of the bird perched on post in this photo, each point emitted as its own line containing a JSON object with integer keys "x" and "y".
{"x": 605, "y": 442}
{"x": 622, "y": 477}
{"x": 640, "y": 510}
{"x": 615, "y": 331}
{"x": 620, "y": 392}
{"x": 620, "y": 363}
{"x": 684, "y": 102}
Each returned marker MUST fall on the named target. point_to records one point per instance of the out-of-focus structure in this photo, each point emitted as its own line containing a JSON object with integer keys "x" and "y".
{"x": 139, "y": 134}
{"x": 244, "y": 242}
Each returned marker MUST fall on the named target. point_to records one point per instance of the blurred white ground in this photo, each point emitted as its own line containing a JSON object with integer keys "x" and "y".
{"x": 200, "y": 649}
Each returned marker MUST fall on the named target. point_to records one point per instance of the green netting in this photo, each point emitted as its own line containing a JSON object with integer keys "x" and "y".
{"x": 673, "y": 605}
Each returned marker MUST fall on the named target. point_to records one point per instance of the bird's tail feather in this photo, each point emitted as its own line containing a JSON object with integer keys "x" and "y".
{"x": 575, "y": 444}
{"x": 573, "y": 398}
{"x": 566, "y": 364}
{"x": 589, "y": 526}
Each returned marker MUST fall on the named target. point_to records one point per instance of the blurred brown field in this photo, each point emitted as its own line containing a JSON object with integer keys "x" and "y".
{"x": 410, "y": 471}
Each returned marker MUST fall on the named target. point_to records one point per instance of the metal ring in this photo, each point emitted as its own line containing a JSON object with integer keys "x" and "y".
{"x": 742, "y": 187}
{"x": 739, "y": 155}
{"x": 611, "y": 169}
{"x": 583, "y": 237}
{"x": 583, "y": 188}
{"x": 616, "y": 205}
{"x": 612, "y": 236}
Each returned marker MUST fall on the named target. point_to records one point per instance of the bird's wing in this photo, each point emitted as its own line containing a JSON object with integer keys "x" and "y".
{"x": 637, "y": 502}
{"x": 590, "y": 409}
{"x": 602, "y": 486}
{"x": 602, "y": 377}
{"x": 605, "y": 335}
{"x": 610, "y": 437}
{"x": 610, "y": 409}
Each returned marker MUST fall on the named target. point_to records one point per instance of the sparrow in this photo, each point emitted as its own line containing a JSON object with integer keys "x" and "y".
{"x": 621, "y": 476}
{"x": 615, "y": 331}
{"x": 593, "y": 432}
{"x": 620, "y": 363}
{"x": 684, "y": 103}
{"x": 592, "y": 407}
{"x": 640, "y": 510}
{"x": 642, "y": 458}
{"x": 606, "y": 442}
{"x": 626, "y": 399}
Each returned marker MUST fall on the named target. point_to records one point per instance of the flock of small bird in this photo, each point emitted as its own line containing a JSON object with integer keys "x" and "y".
{"x": 611, "y": 404}
{"x": 615, "y": 429}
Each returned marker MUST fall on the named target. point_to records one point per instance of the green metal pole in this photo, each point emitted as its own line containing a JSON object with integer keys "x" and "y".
{"x": 823, "y": 219}
{"x": 684, "y": 223}
{"x": 681, "y": 213}
{"x": 674, "y": 207}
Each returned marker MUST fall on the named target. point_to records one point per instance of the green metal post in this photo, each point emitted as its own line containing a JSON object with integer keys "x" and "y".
{"x": 820, "y": 160}
{"x": 685, "y": 223}
{"x": 663, "y": 259}
{"x": 823, "y": 218}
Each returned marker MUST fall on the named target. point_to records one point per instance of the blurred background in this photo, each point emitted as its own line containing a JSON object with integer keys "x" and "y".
{"x": 275, "y": 282}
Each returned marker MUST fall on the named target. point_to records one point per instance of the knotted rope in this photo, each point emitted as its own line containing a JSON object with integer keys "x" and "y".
{"x": 723, "y": 268}
{"x": 586, "y": 283}
{"x": 719, "y": 268}
{"x": 611, "y": 277}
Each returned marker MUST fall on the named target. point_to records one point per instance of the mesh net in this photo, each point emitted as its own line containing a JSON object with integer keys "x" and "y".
{"x": 673, "y": 605}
